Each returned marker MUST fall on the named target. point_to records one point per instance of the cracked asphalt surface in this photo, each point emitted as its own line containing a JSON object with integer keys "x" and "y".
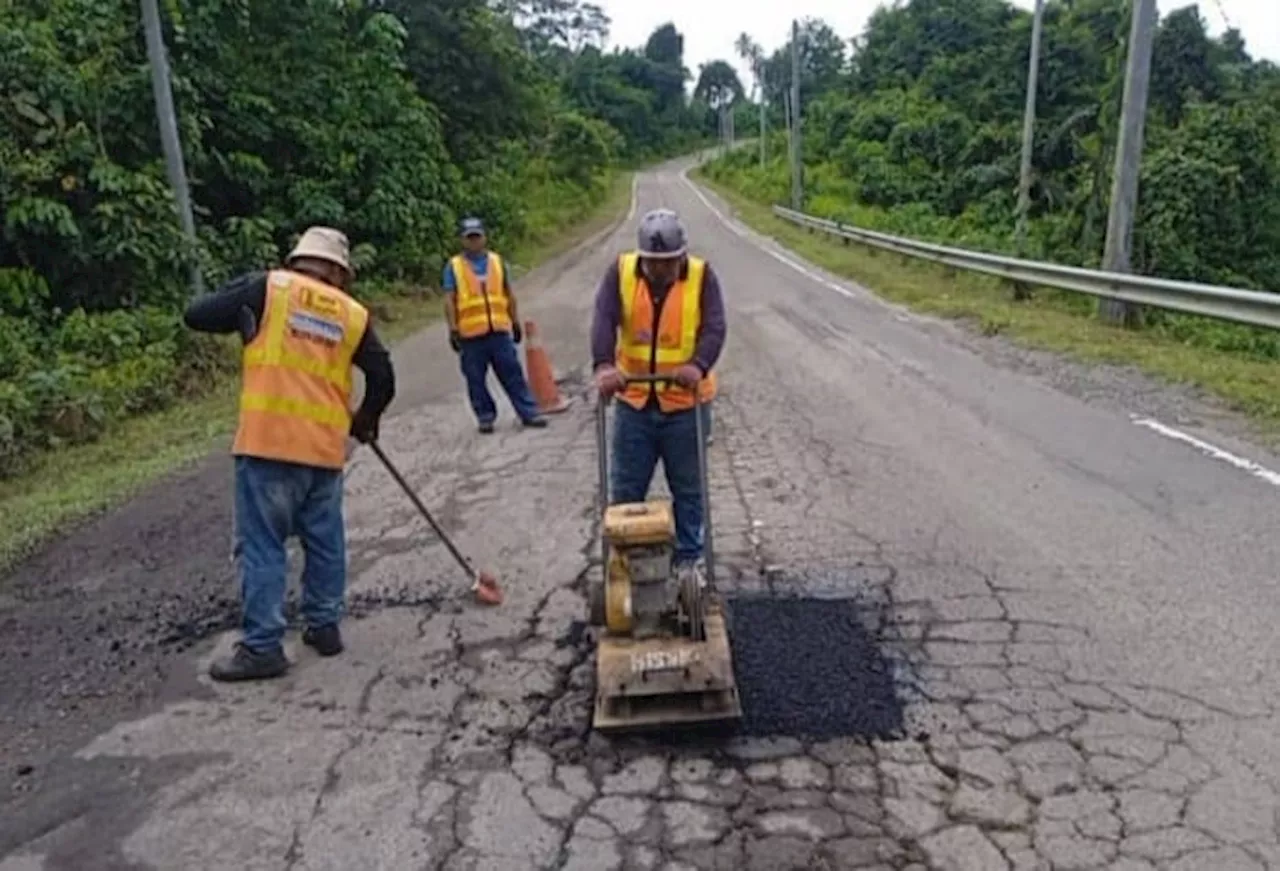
{"x": 1076, "y": 615}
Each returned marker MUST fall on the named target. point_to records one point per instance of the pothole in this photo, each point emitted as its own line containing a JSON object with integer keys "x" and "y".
{"x": 810, "y": 668}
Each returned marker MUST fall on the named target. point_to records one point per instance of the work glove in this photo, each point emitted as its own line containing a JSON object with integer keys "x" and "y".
{"x": 455, "y": 341}
{"x": 364, "y": 428}
{"x": 247, "y": 324}
{"x": 688, "y": 375}
{"x": 609, "y": 381}
{"x": 516, "y": 332}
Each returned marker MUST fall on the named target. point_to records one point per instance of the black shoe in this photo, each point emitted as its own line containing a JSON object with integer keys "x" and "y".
{"x": 486, "y": 428}
{"x": 535, "y": 422}
{"x": 249, "y": 664}
{"x": 324, "y": 640}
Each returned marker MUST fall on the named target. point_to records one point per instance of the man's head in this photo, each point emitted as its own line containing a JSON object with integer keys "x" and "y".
{"x": 662, "y": 244}
{"x": 472, "y": 232}
{"x": 324, "y": 254}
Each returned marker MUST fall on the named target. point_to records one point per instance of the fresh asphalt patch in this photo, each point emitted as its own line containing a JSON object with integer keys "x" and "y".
{"x": 809, "y": 668}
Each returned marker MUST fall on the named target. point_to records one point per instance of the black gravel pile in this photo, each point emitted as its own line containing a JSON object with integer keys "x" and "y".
{"x": 808, "y": 668}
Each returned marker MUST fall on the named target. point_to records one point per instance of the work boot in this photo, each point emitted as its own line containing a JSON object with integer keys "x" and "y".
{"x": 535, "y": 422}
{"x": 487, "y": 427}
{"x": 249, "y": 664}
{"x": 324, "y": 640}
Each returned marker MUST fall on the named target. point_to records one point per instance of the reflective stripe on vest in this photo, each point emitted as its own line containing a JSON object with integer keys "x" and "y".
{"x": 646, "y": 348}
{"x": 482, "y": 308}
{"x": 294, "y": 404}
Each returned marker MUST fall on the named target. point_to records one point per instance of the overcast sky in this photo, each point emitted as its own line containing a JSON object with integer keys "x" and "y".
{"x": 711, "y": 26}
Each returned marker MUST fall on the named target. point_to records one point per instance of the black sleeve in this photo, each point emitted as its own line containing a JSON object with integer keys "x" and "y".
{"x": 219, "y": 312}
{"x": 374, "y": 360}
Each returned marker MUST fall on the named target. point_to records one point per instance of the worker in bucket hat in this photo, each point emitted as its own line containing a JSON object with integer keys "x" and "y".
{"x": 302, "y": 333}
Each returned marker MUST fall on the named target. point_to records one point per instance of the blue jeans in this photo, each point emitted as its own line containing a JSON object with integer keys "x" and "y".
{"x": 640, "y": 439}
{"x": 499, "y": 351}
{"x": 274, "y": 501}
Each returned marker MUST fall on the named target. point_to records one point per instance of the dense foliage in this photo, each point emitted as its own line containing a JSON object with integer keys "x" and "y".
{"x": 388, "y": 119}
{"x": 915, "y": 128}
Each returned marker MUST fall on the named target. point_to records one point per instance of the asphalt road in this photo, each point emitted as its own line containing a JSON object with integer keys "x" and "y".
{"x": 1073, "y": 608}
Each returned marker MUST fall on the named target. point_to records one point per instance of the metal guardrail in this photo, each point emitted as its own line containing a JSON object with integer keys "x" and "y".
{"x": 1252, "y": 307}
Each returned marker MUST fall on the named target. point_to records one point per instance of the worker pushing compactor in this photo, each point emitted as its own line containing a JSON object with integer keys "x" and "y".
{"x": 659, "y": 311}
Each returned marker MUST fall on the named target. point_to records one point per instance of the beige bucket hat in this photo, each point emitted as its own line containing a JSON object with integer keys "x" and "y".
{"x": 324, "y": 243}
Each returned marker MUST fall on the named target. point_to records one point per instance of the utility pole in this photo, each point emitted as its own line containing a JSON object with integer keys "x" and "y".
{"x": 797, "y": 149}
{"x": 1028, "y": 132}
{"x": 763, "y": 104}
{"x": 1128, "y": 164}
{"x": 168, "y": 119}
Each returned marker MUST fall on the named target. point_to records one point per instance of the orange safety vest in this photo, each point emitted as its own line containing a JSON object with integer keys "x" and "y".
{"x": 644, "y": 350}
{"x": 294, "y": 404}
{"x": 482, "y": 308}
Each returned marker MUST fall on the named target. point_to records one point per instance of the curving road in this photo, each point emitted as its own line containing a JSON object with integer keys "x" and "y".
{"x": 1029, "y": 607}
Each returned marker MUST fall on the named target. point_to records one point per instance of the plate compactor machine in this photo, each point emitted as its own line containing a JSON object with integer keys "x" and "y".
{"x": 663, "y": 656}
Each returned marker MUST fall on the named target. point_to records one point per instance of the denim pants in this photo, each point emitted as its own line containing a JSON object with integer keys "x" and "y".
{"x": 273, "y": 501}
{"x": 640, "y": 439}
{"x": 499, "y": 351}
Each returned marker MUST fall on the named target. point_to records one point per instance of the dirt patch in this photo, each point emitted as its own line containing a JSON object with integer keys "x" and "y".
{"x": 90, "y": 623}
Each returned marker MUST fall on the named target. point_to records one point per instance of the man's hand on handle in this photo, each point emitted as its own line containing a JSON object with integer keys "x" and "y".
{"x": 609, "y": 381}
{"x": 364, "y": 428}
{"x": 688, "y": 375}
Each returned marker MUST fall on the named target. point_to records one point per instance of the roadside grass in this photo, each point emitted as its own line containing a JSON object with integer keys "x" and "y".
{"x": 1053, "y": 320}
{"x": 71, "y": 484}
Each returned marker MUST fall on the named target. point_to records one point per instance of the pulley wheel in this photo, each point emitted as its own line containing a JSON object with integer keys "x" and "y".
{"x": 691, "y": 593}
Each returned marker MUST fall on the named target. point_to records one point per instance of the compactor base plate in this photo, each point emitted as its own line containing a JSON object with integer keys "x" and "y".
{"x": 648, "y": 683}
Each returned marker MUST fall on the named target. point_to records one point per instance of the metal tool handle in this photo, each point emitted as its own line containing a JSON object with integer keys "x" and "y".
{"x": 602, "y": 448}
{"x": 422, "y": 509}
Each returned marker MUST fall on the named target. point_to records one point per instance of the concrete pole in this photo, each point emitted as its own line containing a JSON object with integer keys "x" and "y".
{"x": 168, "y": 119}
{"x": 1028, "y": 132}
{"x": 797, "y": 148}
{"x": 1128, "y": 164}
{"x": 763, "y": 104}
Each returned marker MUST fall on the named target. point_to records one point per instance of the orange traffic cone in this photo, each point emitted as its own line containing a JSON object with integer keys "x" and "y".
{"x": 541, "y": 381}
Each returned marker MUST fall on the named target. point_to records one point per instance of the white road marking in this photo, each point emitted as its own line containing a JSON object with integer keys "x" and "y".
{"x": 635, "y": 192}
{"x": 781, "y": 258}
{"x": 1212, "y": 451}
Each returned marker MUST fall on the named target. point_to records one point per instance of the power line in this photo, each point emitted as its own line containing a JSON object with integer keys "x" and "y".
{"x": 1226, "y": 20}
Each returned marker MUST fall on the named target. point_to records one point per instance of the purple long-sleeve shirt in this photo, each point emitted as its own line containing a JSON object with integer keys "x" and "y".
{"x": 608, "y": 317}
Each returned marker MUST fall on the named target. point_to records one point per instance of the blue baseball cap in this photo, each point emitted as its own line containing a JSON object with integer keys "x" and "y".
{"x": 472, "y": 227}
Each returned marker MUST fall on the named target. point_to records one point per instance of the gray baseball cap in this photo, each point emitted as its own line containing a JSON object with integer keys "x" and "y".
{"x": 471, "y": 227}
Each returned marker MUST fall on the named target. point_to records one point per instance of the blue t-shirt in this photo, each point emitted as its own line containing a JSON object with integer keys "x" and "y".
{"x": 479, "y": 262}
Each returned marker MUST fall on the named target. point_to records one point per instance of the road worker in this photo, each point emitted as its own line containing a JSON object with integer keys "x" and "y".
{"x": 302, "y": 333}
{"x": 659, "y": 310}
{"x": 484, "y": 328}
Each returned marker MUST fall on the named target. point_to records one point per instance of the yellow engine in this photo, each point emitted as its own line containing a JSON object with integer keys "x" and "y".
{"x": 640, "y": 594}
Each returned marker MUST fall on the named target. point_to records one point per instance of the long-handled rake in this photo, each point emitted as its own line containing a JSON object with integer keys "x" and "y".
{"x": 484, "y": 585}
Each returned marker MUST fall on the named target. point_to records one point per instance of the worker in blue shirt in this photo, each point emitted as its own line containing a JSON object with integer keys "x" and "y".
{"x": 484, "y": 328}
